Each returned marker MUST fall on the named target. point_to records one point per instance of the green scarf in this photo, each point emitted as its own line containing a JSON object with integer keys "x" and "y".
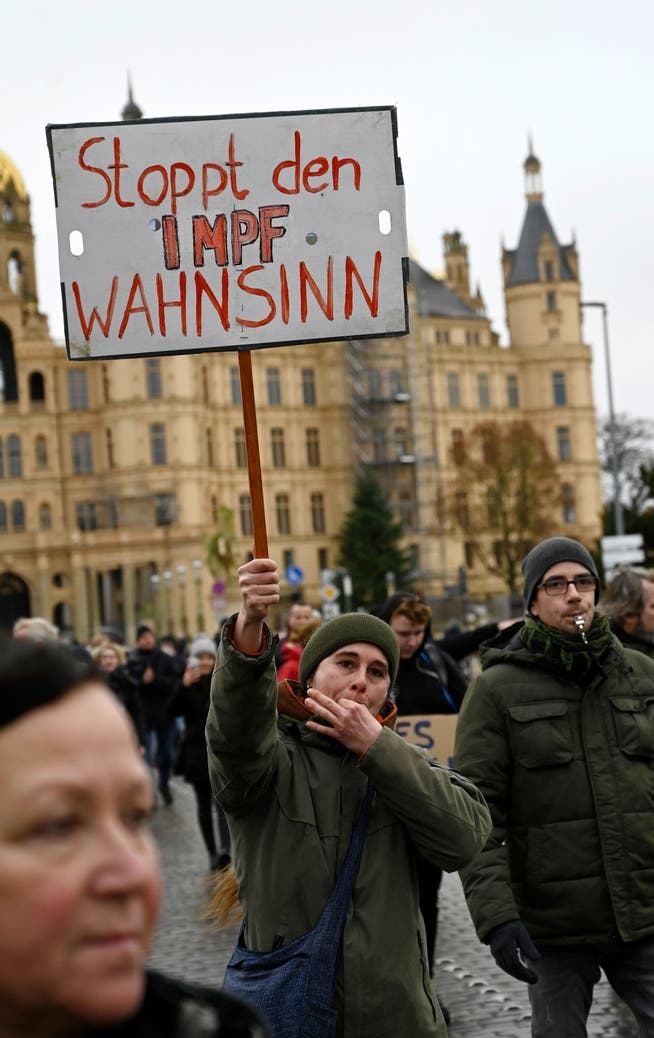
{"x": 575, "y": 656}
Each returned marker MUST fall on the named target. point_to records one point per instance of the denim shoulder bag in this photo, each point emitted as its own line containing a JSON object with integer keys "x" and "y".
{"x": 293, "y": 986}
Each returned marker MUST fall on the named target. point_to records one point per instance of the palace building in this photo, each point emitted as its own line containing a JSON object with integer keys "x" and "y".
{"x": 113, "y": 474}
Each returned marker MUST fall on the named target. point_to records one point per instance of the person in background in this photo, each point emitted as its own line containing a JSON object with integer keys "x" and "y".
{"x": 79, "y": 875}
{"x": 174, "y": 648}
{"x": 628, "y": 601}
{"x": 191, "y": 701}
{"x": 292, "y": 647}
{"x": 36, "y": 629}
{"x": 111, "y": 659}
{"x": 154, "y": 672}
{"x": 298, "y": 615}
{"x": 291, "y": 763}
{"x": 558, "y": 733}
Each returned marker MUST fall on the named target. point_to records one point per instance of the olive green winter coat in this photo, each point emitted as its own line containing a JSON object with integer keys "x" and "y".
{"x": 567, "y": 767}
{"x": 291, "y": 797}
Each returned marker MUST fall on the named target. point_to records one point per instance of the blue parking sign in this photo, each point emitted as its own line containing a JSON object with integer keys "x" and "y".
{"x": 294, "y": 575}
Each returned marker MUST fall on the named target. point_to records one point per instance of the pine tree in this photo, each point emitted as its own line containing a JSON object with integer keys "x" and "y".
{"x": 369, "y": 544}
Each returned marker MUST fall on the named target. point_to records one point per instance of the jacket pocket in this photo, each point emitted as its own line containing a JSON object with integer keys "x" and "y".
{"x": 633, "y": 718}
{"x": 541, "y": 735}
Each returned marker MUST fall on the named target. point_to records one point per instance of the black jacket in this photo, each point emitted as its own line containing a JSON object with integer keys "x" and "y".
{"x": 192, "y": 703}
{"x": 156, "y": 694}
{"x": 430, "y": 682}
{"x": 126, "y": 689}
{"x": 632, "y": 641}
{"x": 174, "y": 1009}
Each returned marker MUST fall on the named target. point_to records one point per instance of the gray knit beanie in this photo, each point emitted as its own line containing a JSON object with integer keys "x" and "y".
{"x": 548, "y": 553}
{"x": 343, "y": 630}
{"x": 202, "y": 644}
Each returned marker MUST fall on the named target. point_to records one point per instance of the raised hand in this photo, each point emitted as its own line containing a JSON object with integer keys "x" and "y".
{"x": 259, "y": 584}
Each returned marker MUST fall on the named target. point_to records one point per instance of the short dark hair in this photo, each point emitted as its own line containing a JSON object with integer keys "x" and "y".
{"x": 33, "y": 674}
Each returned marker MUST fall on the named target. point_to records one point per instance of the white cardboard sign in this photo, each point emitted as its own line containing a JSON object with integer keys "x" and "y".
{"x": 229, "y": 233}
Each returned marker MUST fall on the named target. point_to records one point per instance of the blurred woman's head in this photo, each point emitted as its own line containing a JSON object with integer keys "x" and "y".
{"x": 108, "y": 656}
{"x": 79, "y": 878}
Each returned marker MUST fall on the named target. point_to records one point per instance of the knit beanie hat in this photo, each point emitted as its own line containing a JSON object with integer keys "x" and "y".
{"x": 202, "y": 644}
{"x": 548, "y": 553}
{"x": 343, "y": 630}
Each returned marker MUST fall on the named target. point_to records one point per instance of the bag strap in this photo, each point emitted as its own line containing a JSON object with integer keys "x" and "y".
{"x": 328, "y": 932}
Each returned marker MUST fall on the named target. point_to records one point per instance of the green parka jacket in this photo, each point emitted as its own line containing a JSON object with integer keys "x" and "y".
{"x": 567, "y": 769}
{"x": 291, "y": 797}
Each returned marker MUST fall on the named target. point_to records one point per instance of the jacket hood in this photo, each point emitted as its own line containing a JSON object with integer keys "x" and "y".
{"x": 385, "y": 610}
{"x": 505, "y": 646}
{"x": 291, "y": 705}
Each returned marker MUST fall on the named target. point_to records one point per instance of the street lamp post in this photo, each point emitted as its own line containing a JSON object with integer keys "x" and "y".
{"x": 167, "y": 583}
{"x": 155, "y": 581}
{"x": 197, "y": 577}
{"x": 181, "y": 577}
{"x": 618, "y": 517}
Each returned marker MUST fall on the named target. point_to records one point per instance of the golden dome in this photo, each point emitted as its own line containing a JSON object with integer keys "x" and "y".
{"x": 8, "y": 172}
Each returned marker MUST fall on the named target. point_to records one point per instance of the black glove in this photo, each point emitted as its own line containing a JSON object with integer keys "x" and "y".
{"x": 510, "y": 946}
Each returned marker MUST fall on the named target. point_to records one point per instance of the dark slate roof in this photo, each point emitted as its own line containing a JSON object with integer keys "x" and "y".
{"x": 435, "y": 299}
{"x": 524, "y": 266}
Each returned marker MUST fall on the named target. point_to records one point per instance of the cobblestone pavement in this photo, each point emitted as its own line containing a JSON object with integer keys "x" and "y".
{"x": 481, "y": 998}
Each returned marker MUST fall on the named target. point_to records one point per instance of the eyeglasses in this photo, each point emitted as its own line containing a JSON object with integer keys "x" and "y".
{"x": 559, "y": 585}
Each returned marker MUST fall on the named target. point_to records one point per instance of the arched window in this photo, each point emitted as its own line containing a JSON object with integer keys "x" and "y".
{"x": 40, "y": 452}
{"x": 18, "y": 515}
{"x": 3, "y": 517}
{"x": 15, "y": 273}
{"x": 8, "y": 379}
{"x": 37, "y": 387}
{"x": 45, "y": 517}
{"x": 15, "y": 464}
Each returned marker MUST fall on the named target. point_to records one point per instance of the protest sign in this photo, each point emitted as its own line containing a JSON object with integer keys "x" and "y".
{"x": 229, "y": 233}
{"x": 434, "y": 732}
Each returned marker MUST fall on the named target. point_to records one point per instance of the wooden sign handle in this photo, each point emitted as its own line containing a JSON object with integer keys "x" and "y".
{"x": 252, "y": 454}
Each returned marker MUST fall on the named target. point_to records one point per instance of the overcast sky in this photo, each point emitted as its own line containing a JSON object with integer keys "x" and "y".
{"x": 470, "y": 81}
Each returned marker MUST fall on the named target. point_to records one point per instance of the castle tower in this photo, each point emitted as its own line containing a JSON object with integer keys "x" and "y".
{"x": 541, "y": 276}
{"x": 542, "y": 294}
{"x": 17, "y": 273}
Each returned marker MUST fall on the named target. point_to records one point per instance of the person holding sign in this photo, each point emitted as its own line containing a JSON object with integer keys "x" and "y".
{"x": 291, "y": 765}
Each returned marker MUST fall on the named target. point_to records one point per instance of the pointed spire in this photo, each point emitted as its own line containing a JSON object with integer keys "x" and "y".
{"x": 532, "y": 168}
{"x": 131, "y": 112}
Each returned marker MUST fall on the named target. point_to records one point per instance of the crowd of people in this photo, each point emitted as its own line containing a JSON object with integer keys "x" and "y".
{"x": 289, "y": 747}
